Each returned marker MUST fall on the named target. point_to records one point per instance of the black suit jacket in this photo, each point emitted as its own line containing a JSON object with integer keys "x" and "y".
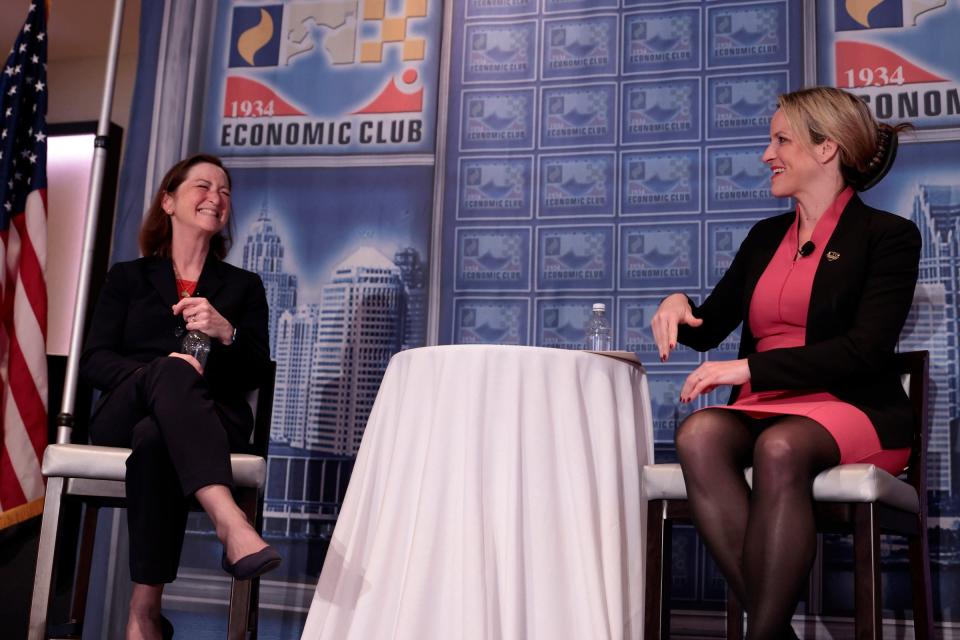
{"x": 858, "y": 306}
{"x": 133, "y": 323}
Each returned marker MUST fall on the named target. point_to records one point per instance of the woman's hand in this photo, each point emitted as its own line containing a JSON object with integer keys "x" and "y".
{"x": 672, "y": 312}
{"x": 200, "y": 315}
{"x": 189, "y": 358}
{"x": 710, "y": 375}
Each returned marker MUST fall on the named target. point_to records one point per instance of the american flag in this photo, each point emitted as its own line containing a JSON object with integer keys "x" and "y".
{"x": 23, "y": 254}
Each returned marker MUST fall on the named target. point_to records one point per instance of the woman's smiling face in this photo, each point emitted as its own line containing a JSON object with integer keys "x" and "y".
{"x": 791, "y": 159}
{"x": 201, "y": 202}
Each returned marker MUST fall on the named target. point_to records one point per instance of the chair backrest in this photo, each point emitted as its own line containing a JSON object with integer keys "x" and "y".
{"x": 261, "y": 401}
{"x": 914, "y": 369}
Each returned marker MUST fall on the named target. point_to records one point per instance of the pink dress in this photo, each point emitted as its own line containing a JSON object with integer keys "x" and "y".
{"x": 778, "y": 319}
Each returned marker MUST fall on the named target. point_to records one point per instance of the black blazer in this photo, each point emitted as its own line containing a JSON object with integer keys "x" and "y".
{"x": 133, "y": 324}
{"x": 858, "y": 306}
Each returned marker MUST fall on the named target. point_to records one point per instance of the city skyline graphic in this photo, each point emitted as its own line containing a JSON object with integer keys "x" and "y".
{"x": 331, "y": 356}
{"x": 932, "y": 325}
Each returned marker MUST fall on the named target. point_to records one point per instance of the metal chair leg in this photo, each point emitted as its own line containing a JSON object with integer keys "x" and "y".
{"x": 919, "y": 553}
{"x": 866, "y": 573}
{"x": 253, "y": 617}
{"x": 84, "y": 561}
{"x": 656, "y": 606}
{"x": 239, "y": 613}
{"x": 46, "y": 555}
{"x": 241, "y": 620}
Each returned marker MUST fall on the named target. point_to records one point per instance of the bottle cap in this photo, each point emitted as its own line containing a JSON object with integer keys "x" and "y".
{"x": 599, "y": 306}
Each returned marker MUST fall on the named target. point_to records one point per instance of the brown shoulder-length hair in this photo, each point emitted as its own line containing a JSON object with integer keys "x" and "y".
{"x": 156, "y": 233}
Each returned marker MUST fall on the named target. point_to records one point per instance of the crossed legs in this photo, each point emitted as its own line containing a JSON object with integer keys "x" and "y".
{"x": 180, "y": 448}
{"x": 764, "y": 541}
{"x": 239, "y": 539}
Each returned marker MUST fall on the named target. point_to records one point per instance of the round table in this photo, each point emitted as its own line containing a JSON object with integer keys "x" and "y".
{"x": 496, "y": 494}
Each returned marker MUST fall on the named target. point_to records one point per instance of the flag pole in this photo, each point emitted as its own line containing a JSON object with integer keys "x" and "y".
{"x": 65, "y": 418}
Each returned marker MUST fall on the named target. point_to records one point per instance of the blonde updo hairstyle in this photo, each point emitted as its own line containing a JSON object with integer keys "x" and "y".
{"x": 867, "y": 148}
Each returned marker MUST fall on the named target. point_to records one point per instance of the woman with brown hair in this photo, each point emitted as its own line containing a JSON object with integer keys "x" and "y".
{"x": 180, "y": 416}
{"x": 823, "y": 293}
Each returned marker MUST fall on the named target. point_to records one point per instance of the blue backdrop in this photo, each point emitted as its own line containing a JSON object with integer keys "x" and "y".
{"x": 586, "y": 151}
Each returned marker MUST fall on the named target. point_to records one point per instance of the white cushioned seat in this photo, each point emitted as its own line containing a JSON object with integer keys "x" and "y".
{"x": 663, "y": 482}
{"x": 110, "y": 463}
{"x": 843, "y": 483}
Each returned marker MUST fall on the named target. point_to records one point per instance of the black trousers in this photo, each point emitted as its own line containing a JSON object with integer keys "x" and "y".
{"x": 180, "y": 442}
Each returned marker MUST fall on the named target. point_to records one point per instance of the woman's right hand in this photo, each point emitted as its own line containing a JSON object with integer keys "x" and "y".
{"x": 672, "y": 312}
{"x": 189, "y": 358}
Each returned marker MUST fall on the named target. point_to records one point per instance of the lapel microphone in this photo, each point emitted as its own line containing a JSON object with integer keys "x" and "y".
{"x": 807, "y": 248}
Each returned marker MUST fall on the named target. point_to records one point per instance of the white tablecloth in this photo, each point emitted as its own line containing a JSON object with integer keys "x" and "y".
{"x": 495, "y": 495}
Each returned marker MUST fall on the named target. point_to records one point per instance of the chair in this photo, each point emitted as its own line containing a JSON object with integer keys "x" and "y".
{"x": 858, "y": 498}
{"x": 95, "y": 476}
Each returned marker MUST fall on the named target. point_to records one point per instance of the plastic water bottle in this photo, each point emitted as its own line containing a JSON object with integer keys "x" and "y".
{"x": 599, "y": 336}
{"x": 197, "y": 344}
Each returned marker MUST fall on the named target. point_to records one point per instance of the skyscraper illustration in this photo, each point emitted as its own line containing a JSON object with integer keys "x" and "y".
{"x": 413, "y": 275}
{"x": 263, "y": 254}
{"x": 932, "y": 324}
{"x": 330, "y": 360}
{"x": 296, "y": 334}
{"x": 360, "y": 329}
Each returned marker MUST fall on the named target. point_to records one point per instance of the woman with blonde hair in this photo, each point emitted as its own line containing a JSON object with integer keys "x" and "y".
{"x": 823, "y": 293}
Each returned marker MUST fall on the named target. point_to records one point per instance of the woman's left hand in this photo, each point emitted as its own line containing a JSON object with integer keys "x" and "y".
{"x": 200, "y": 315}
{"x": 710, "y": 375}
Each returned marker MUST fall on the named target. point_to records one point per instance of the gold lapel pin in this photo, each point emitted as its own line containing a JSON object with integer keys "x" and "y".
{"x": 832, "y": 255}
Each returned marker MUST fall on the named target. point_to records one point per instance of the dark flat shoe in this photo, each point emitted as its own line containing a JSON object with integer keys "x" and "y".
{"x": 166, "y": 628}
{"x": 253, "y": 565}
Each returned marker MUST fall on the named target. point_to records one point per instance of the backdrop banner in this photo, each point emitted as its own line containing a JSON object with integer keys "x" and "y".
{"x": 610, "y": 152}
{"x": 590, "y": 151}
{"x": 325, "y": 113}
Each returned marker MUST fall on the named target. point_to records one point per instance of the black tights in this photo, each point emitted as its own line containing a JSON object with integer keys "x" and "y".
{"x": 764, "y": 541}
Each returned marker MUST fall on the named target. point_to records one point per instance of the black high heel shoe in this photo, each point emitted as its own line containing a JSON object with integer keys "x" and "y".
{"x": 166, "y": 628}
{"x": 252, "y": 565}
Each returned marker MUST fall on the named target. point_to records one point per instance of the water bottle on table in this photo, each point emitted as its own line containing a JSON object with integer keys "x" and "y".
{"x": 197, "y": 344}
{"x": 599, "y": 335}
